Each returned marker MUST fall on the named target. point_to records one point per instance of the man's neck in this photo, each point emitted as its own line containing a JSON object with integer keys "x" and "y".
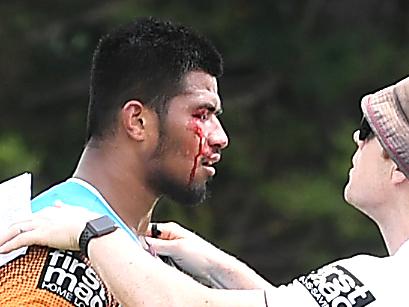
{"x": 119, "y": 184}
{"x": 394, "y": 226}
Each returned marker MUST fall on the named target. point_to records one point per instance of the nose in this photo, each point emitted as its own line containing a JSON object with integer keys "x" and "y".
{"x": 219, "y": 137}
{"x": 355, "y": 137}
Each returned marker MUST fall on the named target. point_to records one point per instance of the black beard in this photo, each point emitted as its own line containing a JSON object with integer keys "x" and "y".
{"x": 165, "y": 185}
{"x": 187, "y": 195}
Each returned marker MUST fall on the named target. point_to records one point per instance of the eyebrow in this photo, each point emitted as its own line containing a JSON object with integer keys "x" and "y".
{"x": 210, "y": 107}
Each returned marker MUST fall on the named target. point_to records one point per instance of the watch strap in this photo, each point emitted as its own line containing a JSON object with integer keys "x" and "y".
{"x": 93, "y": 229}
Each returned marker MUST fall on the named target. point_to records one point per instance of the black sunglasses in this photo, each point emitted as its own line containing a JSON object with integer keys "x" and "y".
{"x": 365, "y": 131}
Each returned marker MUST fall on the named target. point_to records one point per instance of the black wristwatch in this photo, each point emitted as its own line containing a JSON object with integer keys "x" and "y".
{"x": 95, "y": 228}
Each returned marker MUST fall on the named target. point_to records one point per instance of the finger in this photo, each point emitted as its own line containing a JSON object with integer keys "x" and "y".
{"x": 20, "y": 240}
{"x": 155, "y": 232}
{"x": 167, "y": 231}
{"x": 15, "y": 230}
{"x": 162, "y": 247}
{"x": 8, "y": 235}
{"x": 149, "y": 230}
{"x": 21, "y": 222}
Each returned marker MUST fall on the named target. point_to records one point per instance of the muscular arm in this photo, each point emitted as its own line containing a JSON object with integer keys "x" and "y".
{"x": 231, "y": 273}
{"x": 204, "y": 261}
{"x": 132, "y": 274}
{"x": 138, "y": 279}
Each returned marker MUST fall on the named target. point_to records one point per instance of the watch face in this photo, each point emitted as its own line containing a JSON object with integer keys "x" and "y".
{"x": 102, "y": 225}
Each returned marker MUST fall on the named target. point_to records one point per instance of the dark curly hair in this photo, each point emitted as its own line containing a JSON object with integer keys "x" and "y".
{"x": 144, "y": 60}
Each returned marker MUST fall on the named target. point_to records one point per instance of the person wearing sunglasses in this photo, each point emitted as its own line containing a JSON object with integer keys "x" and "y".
{"x": 378, "y": 186}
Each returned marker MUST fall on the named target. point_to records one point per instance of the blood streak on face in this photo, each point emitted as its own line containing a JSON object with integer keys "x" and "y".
{"x": 201, "y": 148}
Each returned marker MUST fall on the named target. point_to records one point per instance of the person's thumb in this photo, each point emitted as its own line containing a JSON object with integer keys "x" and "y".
{"x": 163, "y": 247}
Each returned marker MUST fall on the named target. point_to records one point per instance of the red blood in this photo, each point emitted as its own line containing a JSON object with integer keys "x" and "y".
{"x": 199, "y": 132}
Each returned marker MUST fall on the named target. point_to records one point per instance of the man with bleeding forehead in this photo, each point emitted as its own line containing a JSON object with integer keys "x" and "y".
{"x": 153, "y": 130}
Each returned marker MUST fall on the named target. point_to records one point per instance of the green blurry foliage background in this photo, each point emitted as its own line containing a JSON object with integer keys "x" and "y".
{"x": 295, "y": 72}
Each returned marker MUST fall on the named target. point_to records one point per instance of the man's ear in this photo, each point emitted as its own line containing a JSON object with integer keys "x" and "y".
{"x": 133, "y": 120}
{"x": 397, "y": 175}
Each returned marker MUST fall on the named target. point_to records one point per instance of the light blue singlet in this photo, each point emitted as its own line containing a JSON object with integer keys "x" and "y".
{"x": 77, "y": 192}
